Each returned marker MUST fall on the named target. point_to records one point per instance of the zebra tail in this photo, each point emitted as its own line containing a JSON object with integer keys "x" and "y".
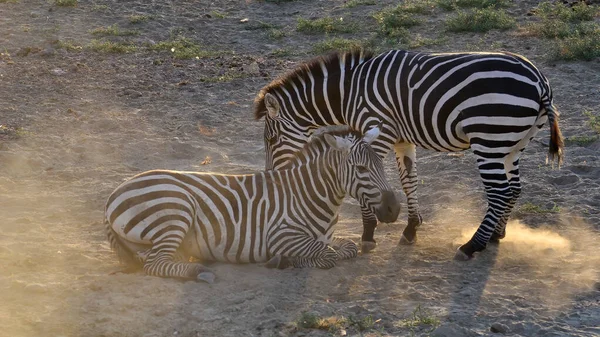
{"x": 124, "y": 254}
{"x": 556, "y": 146}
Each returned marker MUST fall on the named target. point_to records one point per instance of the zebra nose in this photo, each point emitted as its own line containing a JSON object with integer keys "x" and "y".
{"x": 389, "y": 208}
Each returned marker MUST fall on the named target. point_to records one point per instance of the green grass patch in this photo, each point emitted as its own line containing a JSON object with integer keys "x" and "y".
{"x": 111, "y": 47}
{"x": 451, "y": 5}
{"x": 529, "y": 207}
{"x": 339, "y": 44}
{"x": 394, "y": 21}
{"x": 334, "y": 324}
{"x": 559, "y": 11}
{"x": 578, "y": 47}
{"x": 593, "y": 120}
{"x": 258, "y": 25}
{"x": 11, "y": 133}
{"x": 582, "y": 140}
{"x": 362, "y": 323}
{"x": 65, "y": 3}
{"x": 577, "y": 36}
{"x": 276, "y": 34}
{"x": 183, "y": 48}
{"x": 423, "y": 7}
{"x": 355, "y": 3}
{"x": 561, "y": 21}
{"x": 309, "y": 320}
{"x": 421, "y": 317}
{"x": 325, "y": 25}
{"x": 139, "y": 18}
{"x": 8, "y": 2}
{"x": 68, "y": 45}
{"x": 113, "y": 30}
{"x": 480, "y": 20}
{"x": 218, "y": 15}
{"x": 100, "y": 8}
{"x": 418, "y": 41}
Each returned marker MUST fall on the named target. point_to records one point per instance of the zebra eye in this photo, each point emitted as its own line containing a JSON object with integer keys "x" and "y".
{"x": 362, "y": 169}
{"x": 272, "y": 140}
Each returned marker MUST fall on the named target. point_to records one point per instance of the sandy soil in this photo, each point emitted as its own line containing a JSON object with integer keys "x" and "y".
{"x": 76, "y": 123}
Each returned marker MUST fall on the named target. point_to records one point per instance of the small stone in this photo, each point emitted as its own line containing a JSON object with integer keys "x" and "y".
{"x": 269, "y": 309}
{"x": 499, "y": 328}
{"x": 131, "y": 93}
{"x": 58, "y": 72}
{"x": 47, "y": 52}
{"x": 447, "y": 330}
{"x": 252, "y": 69}
{"x": 22, "y": 52}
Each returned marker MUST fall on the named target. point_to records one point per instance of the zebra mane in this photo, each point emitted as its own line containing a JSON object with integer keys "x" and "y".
{"x": 331, "y": 61}
{"x": 305, "y": 154}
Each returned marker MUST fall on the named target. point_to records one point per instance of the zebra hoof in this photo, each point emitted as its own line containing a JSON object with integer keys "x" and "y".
{"x": 367, "y": 246}
{"x": 273, "y": 262}
{"x": 461, "y": 256}
{"x": 495, "y": 239}
{"x": 206, "y": 276}
{"x": 407, "y": 242}
{"x": 278, "y": 261}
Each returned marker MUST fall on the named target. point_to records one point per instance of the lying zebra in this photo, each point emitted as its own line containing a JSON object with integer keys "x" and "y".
{"x": 283, "y": 217}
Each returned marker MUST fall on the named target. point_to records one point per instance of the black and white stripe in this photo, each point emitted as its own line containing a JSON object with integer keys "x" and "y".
{"x": 161, "y": 218}
{"x": 494, "y": 103}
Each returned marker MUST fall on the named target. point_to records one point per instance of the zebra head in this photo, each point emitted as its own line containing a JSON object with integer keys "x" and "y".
{"x": 283, "y": 138}
{"x": 361, "y": 173}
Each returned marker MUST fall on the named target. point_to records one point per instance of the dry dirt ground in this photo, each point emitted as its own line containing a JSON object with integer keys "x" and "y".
{"x": 77, "y": 121}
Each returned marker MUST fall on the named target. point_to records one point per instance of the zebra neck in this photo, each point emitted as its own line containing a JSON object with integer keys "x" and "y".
{"x": 321, "y": 177}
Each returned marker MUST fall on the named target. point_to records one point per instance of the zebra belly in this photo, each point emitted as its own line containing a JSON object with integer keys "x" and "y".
{"x": 219, "y": 242}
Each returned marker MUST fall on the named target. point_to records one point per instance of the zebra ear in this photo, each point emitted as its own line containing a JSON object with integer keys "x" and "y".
{"x": 338, "y": 143}
{"x": 371, "y": 135}
{"x": 272, "y": 105}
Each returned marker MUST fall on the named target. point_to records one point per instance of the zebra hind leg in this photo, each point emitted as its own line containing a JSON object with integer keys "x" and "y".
{"x": 346, "y": 249}
{"x": 512, "y": 168}
{"x": 161, "y": 260}
{"x": 499, "y": 196}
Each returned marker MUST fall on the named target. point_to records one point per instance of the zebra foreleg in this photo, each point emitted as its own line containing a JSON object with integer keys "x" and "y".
{"x": 499, "y": 196}
{"x": 346, "y": 249}
{"x": 305, "y": 253}
{"x": 368, "y": 243}
{"x": 327, "y": 260}
{"x": 406, "y": 160}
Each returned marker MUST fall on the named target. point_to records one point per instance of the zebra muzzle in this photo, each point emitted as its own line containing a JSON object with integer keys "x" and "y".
{"x": 389, "y": 208}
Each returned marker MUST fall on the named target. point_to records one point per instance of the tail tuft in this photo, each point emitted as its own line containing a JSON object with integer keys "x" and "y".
{"x": 556, "y": 147}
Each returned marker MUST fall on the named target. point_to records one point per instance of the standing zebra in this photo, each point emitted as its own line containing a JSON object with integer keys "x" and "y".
{"x": 161, "y": 218}
{"x": 493, "y": 103}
